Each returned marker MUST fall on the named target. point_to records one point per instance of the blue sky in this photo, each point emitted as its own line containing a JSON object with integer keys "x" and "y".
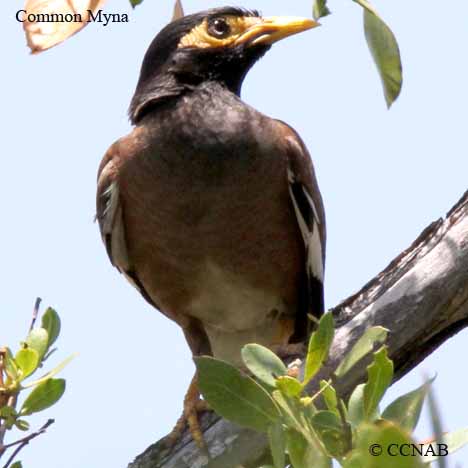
{"x": 384, "y": 176}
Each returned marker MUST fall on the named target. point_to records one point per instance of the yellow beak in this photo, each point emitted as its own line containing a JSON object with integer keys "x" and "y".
{"x": 274, "y": 28}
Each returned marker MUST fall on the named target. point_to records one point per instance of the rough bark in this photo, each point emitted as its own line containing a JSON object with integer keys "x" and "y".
{"x": 421, "y": 297}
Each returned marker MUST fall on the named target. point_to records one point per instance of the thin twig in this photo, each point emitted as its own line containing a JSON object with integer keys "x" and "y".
{"x": 3, "y": 428}
{"x": 2, "y": 366}
{"x": 2, "y": 395}
{"x": 25, "y": 441}
{"x": 35, "y": 312}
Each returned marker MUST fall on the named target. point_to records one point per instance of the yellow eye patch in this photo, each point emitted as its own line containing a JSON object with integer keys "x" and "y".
{"x": 201, "y": 35}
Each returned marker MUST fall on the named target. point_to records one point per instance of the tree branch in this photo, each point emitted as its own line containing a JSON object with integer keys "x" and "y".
{"x": 21, "y": 443}
{"x": 421, "y": 297}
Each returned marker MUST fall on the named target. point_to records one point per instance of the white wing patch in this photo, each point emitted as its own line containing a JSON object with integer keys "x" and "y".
{"x": 113, "y": 235}
{"x": 309, "y": 226}
{"x": 112, "y": 228}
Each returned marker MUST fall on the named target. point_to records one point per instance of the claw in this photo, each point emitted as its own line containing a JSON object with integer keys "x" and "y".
{"x": 193, "y": 405}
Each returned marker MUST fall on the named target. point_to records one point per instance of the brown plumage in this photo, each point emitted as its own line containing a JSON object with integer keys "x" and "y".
{"x": 210, "y": 208}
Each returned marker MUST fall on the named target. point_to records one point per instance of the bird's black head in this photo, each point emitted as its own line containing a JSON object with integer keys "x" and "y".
{"x": 219, "y": 45}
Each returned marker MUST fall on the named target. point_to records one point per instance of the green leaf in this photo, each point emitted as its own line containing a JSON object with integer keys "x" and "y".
{"x": 300, "y": 454}
{"x": 305, "y": 454}
{"x": 454, "y": 440}
{"x": 27, "y": 360}
{"x": 406, "y": 409}
{"x": 43, "y": 396}
{"x": 11, "y": 368}
{"x": 7, "y": 412}
{"x": 380, "y": 374}
{"x": 263, "y": 363}
{"x": 307, "y": 407}
{"x": 384, "y": 50}
{"x": 234, "y": 396}
{"x": 134, "y": 3}
{"x": 367, "y": 6}
{"x": 277, "y": 441}
{"x": 377, "y": 447}
{"x": 329, "y": 395}
{"x": 319, "y": 346}
{"x": 361, "y": 348}
{"x": 51, "y": 373}
{"x": 320, "y": 9}
{"x": 293, "y": 413}
{"x": 356, "y": 405}
{"x": 329, "y": 427}
{"x": 51, "y": 323}
{"x": 17, "y": 464}
{"x": 436, "y": 423}
{"x": 37, "y": 340}
{"x": 289, "y": 386}
{"x": 343, "y": 409}
{"x": 22, "y": 425}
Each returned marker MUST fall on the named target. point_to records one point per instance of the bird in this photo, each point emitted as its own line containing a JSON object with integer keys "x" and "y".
{"x": 210, "y": 208}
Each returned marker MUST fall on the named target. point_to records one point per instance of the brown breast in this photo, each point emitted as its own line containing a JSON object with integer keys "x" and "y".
{"x": 211, "y": 230}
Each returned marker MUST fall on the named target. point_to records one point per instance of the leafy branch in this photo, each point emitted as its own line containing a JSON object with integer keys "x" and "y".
{"x": 311, "y": 431}
{"x": 21, "y": 443}
{"x": 15, "y": 369}
{"x": 382, "y": 45}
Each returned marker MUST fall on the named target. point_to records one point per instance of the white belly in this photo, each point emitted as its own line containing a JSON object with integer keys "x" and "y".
{"x": 234, "y": 313}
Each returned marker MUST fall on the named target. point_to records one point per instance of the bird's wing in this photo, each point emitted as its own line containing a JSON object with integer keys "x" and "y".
{"x": 109, "y": 210}
{"x": 310, "y": 214}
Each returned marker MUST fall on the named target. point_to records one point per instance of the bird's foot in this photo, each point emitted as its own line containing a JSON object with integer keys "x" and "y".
{"x": 292, "y": 353}
{"x": 193, "y": 406}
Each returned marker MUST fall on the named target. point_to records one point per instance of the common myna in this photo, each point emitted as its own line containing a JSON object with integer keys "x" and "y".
{"x": 208, "y": 207}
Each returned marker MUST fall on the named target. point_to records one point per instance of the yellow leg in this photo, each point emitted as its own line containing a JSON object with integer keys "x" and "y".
{"x": 288, "y": 352}
{"x": 193, "y": 405}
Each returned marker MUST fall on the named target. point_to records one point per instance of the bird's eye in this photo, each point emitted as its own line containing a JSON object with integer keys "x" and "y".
{"x": 219, "y": 28}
